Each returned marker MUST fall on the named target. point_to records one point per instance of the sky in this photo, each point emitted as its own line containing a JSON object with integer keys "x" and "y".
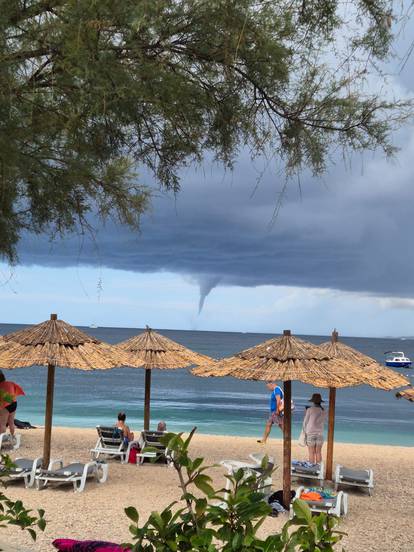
{"x": 338, "y": 254}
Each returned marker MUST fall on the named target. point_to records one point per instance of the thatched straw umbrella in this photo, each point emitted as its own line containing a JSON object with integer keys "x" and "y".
{"x": 56, "y": 343}
{"x": 406, "y": 394}
{"x": 373, "y": 374}
{"x": 157, "y": 351}
{"x": 285, "y": 358}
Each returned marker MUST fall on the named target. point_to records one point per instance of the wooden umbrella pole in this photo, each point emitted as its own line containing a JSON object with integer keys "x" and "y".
{"x": 331, "y": 430}
{"x": 147, "y": 399}
{"x": 48, "y": 415}
{"x": 287, "y": 442}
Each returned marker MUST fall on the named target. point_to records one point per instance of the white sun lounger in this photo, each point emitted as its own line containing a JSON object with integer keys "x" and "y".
{"x": 336, "y": 506}
{"x": 354, "y": 478}
{"x": 316, "y": 471}
{"x": 151, "y": 439}
{"x": 111, "y": 444}
{"x": 75, "y": 473}
{"x": 250, "y": 469}
{"x": 10, "y": 442}
{"x": 25, "y": 468}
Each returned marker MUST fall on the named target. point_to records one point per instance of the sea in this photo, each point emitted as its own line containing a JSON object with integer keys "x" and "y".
{"x": 224, "y": 406}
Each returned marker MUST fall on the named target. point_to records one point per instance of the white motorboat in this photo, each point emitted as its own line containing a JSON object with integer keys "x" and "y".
{"x": 397, "y": 359}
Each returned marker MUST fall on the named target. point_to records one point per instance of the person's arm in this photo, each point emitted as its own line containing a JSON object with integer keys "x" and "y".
{"x": 306, "y": 419}
{"x": 278, "y": 403}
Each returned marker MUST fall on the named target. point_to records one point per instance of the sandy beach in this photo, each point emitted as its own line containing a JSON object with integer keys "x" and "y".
{"x": 382, "y": 522}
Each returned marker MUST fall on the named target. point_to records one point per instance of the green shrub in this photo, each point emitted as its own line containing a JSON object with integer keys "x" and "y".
{"x": 208, "y": 520}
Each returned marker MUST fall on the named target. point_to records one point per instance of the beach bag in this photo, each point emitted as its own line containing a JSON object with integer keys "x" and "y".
{"x": 132, "y": 459}
{"x": 302, "y": 438}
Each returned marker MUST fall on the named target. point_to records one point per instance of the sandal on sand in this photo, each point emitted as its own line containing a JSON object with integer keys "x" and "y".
{"x": 261, "y": 441}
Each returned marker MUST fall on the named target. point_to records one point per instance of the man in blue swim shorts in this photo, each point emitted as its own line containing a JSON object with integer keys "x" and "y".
{"x": 276, "y": 410}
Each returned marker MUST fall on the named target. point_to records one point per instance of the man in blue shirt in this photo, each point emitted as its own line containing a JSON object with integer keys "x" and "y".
{"x": 276, "y": 410}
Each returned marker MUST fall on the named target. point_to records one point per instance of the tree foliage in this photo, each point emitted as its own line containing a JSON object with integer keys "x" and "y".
{"x": 92, "y": 91}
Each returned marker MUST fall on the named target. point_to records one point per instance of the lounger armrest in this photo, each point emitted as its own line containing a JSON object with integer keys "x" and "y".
{"x": 342, "y": 501}
{"x": 322, "y": 469}
{"x": 299, "y": 491}
{"x": 337, "y": 473}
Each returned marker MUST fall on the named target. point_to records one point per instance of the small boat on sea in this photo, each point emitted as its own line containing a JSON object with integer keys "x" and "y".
{"x": 93, "y": 326}
{"x": 397, "y": 359}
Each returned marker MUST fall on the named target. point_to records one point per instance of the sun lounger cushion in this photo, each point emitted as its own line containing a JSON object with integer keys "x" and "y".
{"x": 311, "y": 470}
{"x": 70, "y": 545}
{"x": 23, "y": 464}
{"x": 354, "y": 476}
{"x": 71, "y": 469}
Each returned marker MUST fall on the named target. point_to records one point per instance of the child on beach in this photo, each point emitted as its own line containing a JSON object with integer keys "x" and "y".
{"x": 128, "y": 434}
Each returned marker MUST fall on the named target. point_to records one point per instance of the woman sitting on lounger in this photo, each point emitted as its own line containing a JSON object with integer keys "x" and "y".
{"x": 128, "y": 434}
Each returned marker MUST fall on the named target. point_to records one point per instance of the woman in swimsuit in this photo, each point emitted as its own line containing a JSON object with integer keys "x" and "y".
{"x": 128, "y": 435}
{"x": 8, "y": 408}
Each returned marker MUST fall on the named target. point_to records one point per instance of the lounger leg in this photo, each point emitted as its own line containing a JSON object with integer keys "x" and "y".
{"x": 80, "y": 485}
{"x": 104, "y": 469}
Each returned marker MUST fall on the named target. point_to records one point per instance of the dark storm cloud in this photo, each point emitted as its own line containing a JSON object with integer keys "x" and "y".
{"x": 352, "y": 231}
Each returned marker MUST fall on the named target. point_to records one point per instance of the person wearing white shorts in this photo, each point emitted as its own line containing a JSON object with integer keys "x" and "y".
{"x": 313, "y": 426}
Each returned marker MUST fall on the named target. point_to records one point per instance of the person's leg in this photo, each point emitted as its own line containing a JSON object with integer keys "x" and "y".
{"x": 318, "y": 454}
{"x": 10, "y": 421}
{"x": 311, "y": 452}
{"x": 4, "y": 415}
{"x": 268, "y": 427}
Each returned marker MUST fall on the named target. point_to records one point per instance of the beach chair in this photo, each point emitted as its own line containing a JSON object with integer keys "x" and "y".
{"x": 24, "y": 468}
{"x": 151, "y": 439}
{"x": 75, "y": 473}
{"x": 251, "y": 469}
{"x": 111, "y": 444}
{"x": 11, "y": 442}
{"x": 354, "y": 478}
{"x": 306, "y": 470}
{"x": 335, "y": 505}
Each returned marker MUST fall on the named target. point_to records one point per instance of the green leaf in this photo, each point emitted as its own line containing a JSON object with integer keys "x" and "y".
{"x": 302, "y": 510}
{"x": 132, "y": 513}
{"x": 202, "y": 482}
{"x": 41, "y": 523}
{"x": 32, "y": 533}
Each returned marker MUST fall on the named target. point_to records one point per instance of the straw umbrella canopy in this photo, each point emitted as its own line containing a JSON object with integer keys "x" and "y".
{"x": 406, "y": 394}
{"x": 56, "y": 343}
{"x": 286, "y": 358}
{"x": 373, "y": 374}
{"x": 157, "y": 351}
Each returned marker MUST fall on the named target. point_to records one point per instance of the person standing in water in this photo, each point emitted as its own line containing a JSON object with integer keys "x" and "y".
{"x": 276, "y": 410}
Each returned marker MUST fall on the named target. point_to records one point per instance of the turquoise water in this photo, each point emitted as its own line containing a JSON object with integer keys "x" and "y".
{"x": 214, "y": 405}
